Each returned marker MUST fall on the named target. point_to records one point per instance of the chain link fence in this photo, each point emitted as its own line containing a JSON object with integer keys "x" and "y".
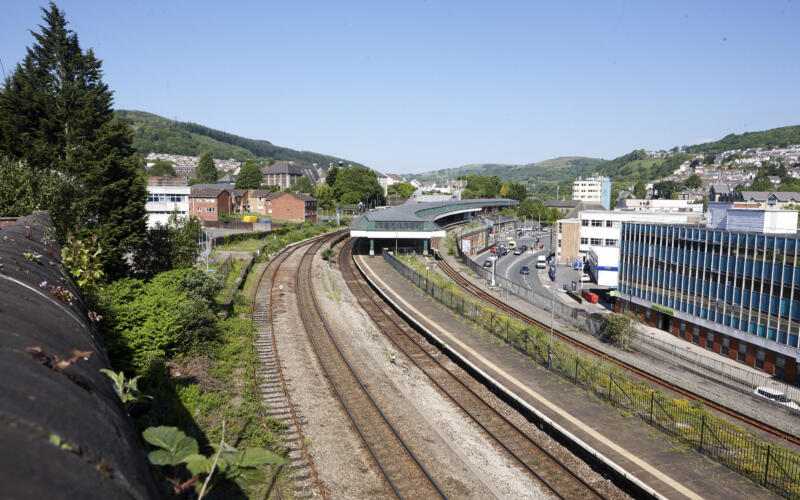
{"x": 772, "y": 466}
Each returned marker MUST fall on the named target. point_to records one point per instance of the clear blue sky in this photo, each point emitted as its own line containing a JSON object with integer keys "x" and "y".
{"x": 413, "y": 86}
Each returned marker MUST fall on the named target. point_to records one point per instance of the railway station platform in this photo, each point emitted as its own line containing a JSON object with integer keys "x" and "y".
{"x": 666, "y": 466}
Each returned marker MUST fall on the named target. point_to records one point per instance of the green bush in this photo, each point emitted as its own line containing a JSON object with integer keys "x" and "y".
{"x": 170, "y": 315}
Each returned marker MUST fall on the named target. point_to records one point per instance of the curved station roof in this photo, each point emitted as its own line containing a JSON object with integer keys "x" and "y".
{"x": 422, "y": 220}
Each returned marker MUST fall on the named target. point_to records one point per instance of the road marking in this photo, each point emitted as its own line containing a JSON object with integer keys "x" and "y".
{"x": 622, "y": 451}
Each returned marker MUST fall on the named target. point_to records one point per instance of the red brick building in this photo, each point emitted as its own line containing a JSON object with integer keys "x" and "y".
{"x": 295, "y": 207}
{"x": 208, "y": 203}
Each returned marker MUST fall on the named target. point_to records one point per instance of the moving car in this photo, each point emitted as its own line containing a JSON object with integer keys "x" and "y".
{"x": 541, "y": 262}
{"x": 776, "y": 396}
{"x": 488, "y": 262}
{"x": 518, "y": 251}
{"x": 523, "y": 247}
{"x": 524, "y": 270}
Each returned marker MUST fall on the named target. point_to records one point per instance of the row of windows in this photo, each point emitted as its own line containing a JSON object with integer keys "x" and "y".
{"x": 162, "y": 198}
{"x": 599, "y": 223}
{"x": 599, "y": 242}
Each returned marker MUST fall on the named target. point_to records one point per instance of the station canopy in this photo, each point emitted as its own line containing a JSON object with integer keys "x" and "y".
{"x": 423, "y": 220}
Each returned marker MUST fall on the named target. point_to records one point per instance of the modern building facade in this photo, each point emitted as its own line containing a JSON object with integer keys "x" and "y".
{"x": 597, "y": 189}
{"x": 733, "y": 291}
{"x": 166, "y": 195}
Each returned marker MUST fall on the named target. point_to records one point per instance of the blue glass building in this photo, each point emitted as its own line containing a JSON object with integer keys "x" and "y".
{"x": 734, "y": 292}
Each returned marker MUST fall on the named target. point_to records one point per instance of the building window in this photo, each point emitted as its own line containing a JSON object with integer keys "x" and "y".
{"x": 726, "y": 345}
{"x": 760, "y": 358}
{"x": 596, "y": 242}
{"x": 780, "y": 365}
{"x": 584, "y": 223}
{"x": 612, "y": 243}
{"x": 609, "y": 223}
{"x": 682, "y": 329}
{"x": 647, "y": 316}
{"x": 584, "y": 241}
{"x": 270, "y": 210}
{"x": 210, "y": 209}
{"x": 710, "y": 340}
{"x": 695, "y": 334}
{"x": 742, "y": 354}
{"x": 597, "y": 223}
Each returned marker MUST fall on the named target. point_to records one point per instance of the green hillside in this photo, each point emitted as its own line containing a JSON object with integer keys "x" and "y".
{"x": 156, "y": 134}
{"x": 776, "y": 137}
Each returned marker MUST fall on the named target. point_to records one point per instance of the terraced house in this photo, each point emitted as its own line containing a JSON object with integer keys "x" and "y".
{"x": 731, "y": 286}
{"x": 208, "y": 201}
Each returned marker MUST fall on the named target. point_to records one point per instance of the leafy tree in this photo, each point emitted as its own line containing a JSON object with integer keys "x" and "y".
{"x": 665, "y": 189}
{"x": 504, "y": 189}
{"x": 330, "y": 178}
{"x": 303, "y": 185}
{"x": 324, "y": 196}
{"x": 693, "y": 182}
{"x": 620, "y": 328}
{"x": 250, "y": 176}
{"x": 206, "y": 172}
{"x": 24, "y": 190}
{"x": 170, "y": 246}
{"x": 56, "y": 116}
{"x": 162, "y": 167}
{"x": 640, "y": 190}
{"x": 762, "y": 184}
{"x": 404, "y": 189}
{"x": 358, "y": 184}
{"x": 171, "y": 314}
{"x": 517, "y": 191}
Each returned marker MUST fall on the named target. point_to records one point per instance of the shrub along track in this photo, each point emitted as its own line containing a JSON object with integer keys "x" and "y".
{"x": 547, "y": 469}
{"x": 467, "y": 286}
{"x": 403, "y": 471}
{"x": 273, "y": 389}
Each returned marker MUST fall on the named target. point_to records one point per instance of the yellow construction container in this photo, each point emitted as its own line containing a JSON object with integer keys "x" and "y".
{"x": 250, "y": 218}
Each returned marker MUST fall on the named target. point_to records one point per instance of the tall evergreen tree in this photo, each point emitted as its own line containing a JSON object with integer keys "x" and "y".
{"x": 330, "y": 178}
{"x": 250, "y": 176}
{"x": 56, "y": 116}
{"x": 206, "y": 171}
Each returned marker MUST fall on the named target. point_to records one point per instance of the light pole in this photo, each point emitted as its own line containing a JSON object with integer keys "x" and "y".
{"x": 550, "y": 345}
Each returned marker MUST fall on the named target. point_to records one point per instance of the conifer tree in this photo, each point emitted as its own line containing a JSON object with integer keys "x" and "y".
{"x": 56, "y": 118}
{"x": 206, "y": 171}
{"x": 250, "y": 176}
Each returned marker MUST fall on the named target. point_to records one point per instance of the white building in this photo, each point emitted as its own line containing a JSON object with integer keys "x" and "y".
{"x": 638, "y": 205}
{"x": 162, "y": 200}
{"x": 595, "y": 189}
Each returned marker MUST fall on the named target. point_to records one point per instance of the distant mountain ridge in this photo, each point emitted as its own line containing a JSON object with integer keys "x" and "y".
{"x": 154, "y": 133}
{"x": 775, "y": 137}
{"x": 547, "y": 170}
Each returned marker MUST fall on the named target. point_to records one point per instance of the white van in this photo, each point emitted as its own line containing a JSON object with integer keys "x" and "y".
{"x": 512, "y": 244}
{"x": 541, "y": 262}
{"x": 775, "y": 396}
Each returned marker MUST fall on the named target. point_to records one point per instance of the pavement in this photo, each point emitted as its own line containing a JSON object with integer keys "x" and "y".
{"x": 668, "y": 467}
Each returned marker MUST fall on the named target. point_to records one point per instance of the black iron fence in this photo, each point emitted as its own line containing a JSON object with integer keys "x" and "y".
{"x": 775, "y": 467}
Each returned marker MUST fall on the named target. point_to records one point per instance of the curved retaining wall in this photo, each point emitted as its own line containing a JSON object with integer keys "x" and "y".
{"x": 102, "y": 456}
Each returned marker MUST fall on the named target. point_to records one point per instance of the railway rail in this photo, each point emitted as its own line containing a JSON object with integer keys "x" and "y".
{"x": 548, "y": 470}
{"x": 404, "y": 472}
{"x": 495, "y": 302}
{"x": 267, "y": 349}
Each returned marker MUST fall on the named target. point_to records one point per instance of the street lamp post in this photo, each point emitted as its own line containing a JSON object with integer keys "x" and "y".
{"x": 550, "y": 345}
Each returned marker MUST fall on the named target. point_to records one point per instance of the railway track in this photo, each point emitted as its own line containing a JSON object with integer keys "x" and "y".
{"x": 485, "y": 296}
{"x": 271, "y": 382}
{"x": 547, "y": 469}
{"x": 404, "y": 472}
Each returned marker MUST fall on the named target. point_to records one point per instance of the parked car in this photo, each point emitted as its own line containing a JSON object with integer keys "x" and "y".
{"x": 776, "y": 396}
{"x": 585, "y": 278}
{"x": 524, "y": 270}
{"x": 493, "y": 249}
{"x": 523, "y": 247}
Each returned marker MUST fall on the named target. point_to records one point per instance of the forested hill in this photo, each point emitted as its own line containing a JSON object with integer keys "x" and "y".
{"x": 548, "y": 170}
{"x": 776, "y": 137}
{"x": 156, "y": 134}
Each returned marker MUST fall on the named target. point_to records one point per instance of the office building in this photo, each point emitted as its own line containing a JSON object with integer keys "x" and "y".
{"x": 731, "y": 286}
{"x": 597, "y": 189}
